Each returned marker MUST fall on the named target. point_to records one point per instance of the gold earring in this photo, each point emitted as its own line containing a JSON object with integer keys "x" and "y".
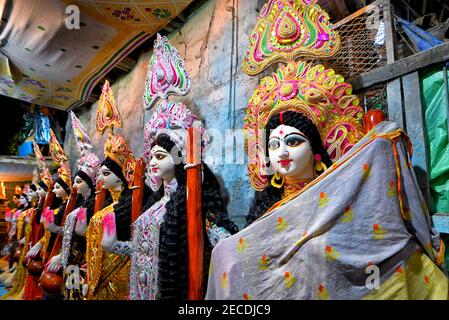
{"x": 320, "y": 167}
{"x": 274, "y": 180}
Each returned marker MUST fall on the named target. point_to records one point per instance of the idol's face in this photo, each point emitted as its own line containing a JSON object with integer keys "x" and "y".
{"x": 109, "y": 179}
{"x": 162, "y": 165}
{"x": 15, "y": 200}
{"x": 59, "y": 191}
{"x": 32, "y": 195}
{"x": 81, "y": 186}
{"x": 23, "y": 201}
{"x": 290, "y": 153}
{"x": 41, "y": 192}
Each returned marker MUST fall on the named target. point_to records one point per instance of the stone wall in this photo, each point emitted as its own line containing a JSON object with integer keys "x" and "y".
{"x": 212, "y": 42}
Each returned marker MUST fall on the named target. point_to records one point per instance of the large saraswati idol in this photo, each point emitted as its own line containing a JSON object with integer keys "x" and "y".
{"x": 287, "y": 30}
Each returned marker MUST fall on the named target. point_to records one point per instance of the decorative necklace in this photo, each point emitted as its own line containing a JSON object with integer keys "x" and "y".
{"x": 293, "y": 185}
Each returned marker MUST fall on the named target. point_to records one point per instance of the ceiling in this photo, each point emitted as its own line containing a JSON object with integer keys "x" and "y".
{"x": 19, "y": 169}
{"x": 42, "y": 61}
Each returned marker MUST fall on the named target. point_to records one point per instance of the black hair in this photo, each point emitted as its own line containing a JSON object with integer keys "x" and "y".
{"x": 173, "y": 255}
{"x": 86, "y": 178}
{"x": 64, "y": 185}
{"x": 27, "y": 199}
{"x": 33, "y": 187}
{"x": 115, "y": 168}
{"x": 122, "y": 209}
{"x": 263, "y": 200}
{"x": 43, "y": 185}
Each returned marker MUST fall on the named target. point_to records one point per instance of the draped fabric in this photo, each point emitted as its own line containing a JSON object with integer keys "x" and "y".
{"x": 51, "y": 58}
{"x": 364, "y": 216}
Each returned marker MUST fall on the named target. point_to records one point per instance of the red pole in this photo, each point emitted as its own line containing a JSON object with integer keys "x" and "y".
{"x": 195, "y": 233}
{"x": 100, "y": 197}
{"x": 138, "y": 185}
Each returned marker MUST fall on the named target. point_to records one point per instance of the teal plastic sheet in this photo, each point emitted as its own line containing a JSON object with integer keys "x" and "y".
{"x": 435, "y": 107}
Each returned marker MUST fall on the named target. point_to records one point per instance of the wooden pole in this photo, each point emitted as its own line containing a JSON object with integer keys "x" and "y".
{"x": 195, "y": 230}
{"x": 100, "y": 197}
{"x": 47, "y": 203}
{"x": 35, "y": 226}
{"x": 138, "y": 187}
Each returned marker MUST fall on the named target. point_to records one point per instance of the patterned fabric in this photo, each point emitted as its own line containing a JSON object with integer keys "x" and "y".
{"x": 144, "y": 248}
{"x": 20, "y": 278}
{"x": 59, "y": 61}
{"x": 366, "y": 211}
{"x": 69, "y": 227}
{"x": 107, "y": 273}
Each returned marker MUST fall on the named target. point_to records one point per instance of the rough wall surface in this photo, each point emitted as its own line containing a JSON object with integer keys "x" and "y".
{"x": 212, "y": 42}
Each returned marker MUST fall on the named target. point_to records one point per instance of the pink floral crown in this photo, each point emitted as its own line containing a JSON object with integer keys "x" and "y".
{"x": 88, "y": 161}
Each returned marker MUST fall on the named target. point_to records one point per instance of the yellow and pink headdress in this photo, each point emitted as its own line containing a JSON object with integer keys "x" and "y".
{"x": 45, "y": 175}
{"x": 88, "y": 164}
{"x": 286, "y": 31}
{"x": 59, "y": 156}
{"x": 116, "y": 148}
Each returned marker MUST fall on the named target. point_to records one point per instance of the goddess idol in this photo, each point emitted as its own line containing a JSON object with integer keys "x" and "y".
{"x": 108, "y": 273}
{"x": 333, "y": 205}
{"x": 73, "y": 247}
{"x": 158, "y": 248}
{"x": 35, "y": 265}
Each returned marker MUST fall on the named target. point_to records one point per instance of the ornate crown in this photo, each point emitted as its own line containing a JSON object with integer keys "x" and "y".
{"x": 45, "y": 174}
{"x": 287, "y": 30}
{"x": 116, "y": 147}
{"x": 88, "y": 161}
{"x": 167, "y": 76}
{"x": 166, "y": 73}
{"x": 59, "y": 156}
{"x": 108, "y": 116}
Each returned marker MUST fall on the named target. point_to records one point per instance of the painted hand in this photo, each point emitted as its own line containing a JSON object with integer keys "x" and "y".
{"x": 22, "y": 241}
{"x": 109, "y": 232}
{"x": 81, "y": 222}
{"x": 34, "y": 251}
{"x": 54, "y": 265}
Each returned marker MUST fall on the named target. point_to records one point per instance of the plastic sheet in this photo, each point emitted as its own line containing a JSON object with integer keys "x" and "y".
{"x": 435, "y": 107}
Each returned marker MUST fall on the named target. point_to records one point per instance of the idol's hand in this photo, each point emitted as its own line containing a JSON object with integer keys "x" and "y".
{"x": 52, "y": 227}
{"x": 34, "y": 251}
{"x": 81, "y": 222}
{"x": 22, "y": 241}
{"x": 54, "y": 264}
{"x": 109, "y": 232}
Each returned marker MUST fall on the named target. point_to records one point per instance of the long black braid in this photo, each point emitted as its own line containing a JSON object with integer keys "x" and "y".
{"x": 173, "y": 255}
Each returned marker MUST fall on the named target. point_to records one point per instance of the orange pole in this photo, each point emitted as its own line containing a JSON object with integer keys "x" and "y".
{"x": 372, "y": 118}
{"x": 195, "y": 233}
{"x": 52, "y": 282}
{"x": 100, "y": 198}
{"x": 138, "y": 187}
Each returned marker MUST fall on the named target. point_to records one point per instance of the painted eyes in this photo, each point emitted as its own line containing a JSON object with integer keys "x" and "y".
{"x": 106, "y": 173}
{"x": 290, "y": 141}
{"x": 160, "y": 156}
{"x": 294, "y": 141}
{"x": 273, "y": 144}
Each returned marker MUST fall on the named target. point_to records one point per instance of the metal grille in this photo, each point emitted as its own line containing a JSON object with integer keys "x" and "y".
{"x": 362, "y": 42}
